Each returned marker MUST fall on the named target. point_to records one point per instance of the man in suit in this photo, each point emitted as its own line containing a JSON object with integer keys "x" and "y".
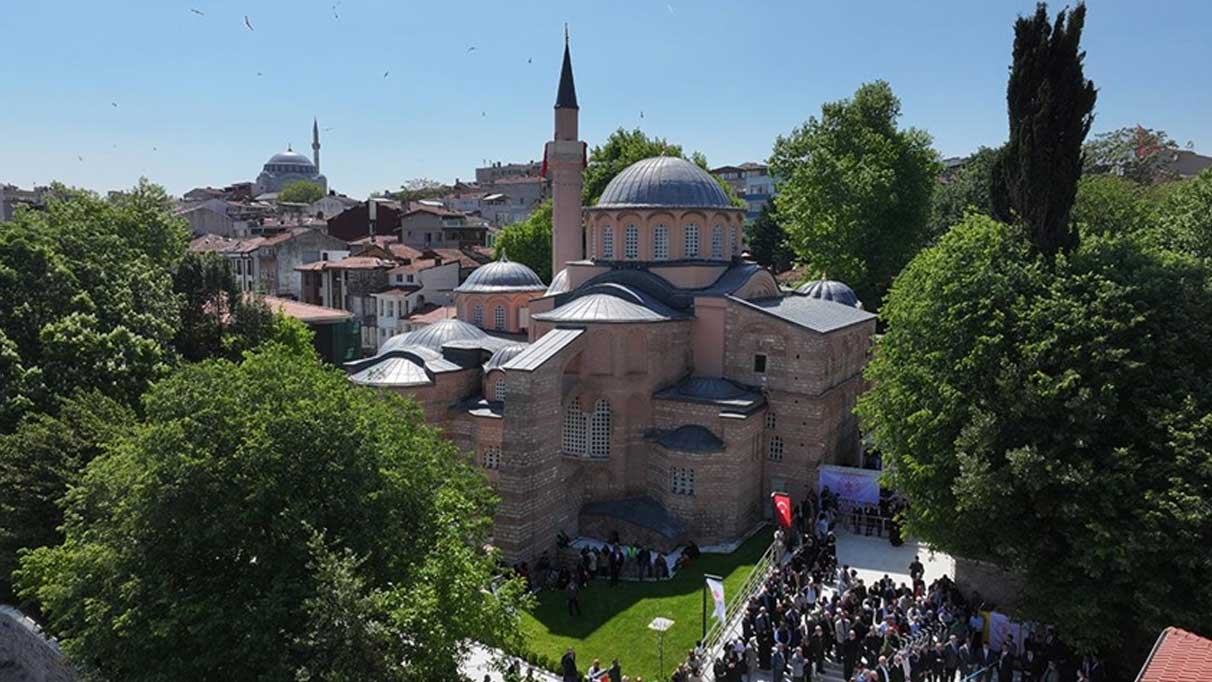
{"x": 778, "y": 664}
{"x": 568, "y": 666}
{"x": 882, "y": 670}
{"x": 951, "y": 659}
{"x": 983, "y": 658}
{"x": 817, "y": 646}
{"x": 965, "y": 660}
{"x": 850, "y": 653}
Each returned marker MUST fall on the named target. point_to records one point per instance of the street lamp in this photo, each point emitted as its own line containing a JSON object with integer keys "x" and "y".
{"x": 660, "y": 625}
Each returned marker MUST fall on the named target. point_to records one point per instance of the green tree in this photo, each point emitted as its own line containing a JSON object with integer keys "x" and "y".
{"x": 1185, "y": 216}
{"x": 1107, "y": 204}
{"x": 420, "y": 188}
{"x": 1050, "y": 104}
{"x": 529, "y": 241}
{"x": 768, "y": 241}
{"x": 218, "y": 320}
{"x": 1049, "y": 416}
{"x": 191, "y": 551}
{"x": 301, "y": 192}
{"x": 1136, "y": 153}
{"x": 38, "y": 462}
{"x": 966, "y": 190}
{"x": 855, "y": 190}
{"x": 86, "y": 296}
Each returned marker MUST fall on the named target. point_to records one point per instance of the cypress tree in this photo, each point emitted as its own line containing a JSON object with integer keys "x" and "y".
{"x": 1050, "y": 104}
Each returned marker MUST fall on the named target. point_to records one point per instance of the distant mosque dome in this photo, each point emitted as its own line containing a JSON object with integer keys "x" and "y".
{"x": 434, "y": 335}
{"x": 831, "y": 290}
{"x": 500, "y": 276}
{"x": 292, "y": 159}
{"x": 663, "y": 181}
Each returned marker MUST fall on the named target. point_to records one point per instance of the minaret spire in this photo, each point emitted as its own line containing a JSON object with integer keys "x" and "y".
{"x": 566, "y": 96}
{"x": 564, "y": 161}
{"x": 315, "y": 142}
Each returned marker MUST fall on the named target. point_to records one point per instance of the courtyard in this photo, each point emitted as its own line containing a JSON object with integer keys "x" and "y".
{"x": 614, "y": 620}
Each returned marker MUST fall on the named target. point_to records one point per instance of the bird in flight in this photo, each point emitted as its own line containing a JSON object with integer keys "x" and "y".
{"x": 473, "y": 47}
{"x": 329, "y": 129}
{"x": 197, "y": 11}
{"x": 670, "y": 8}
{"x": 529, "y": 60}
{"x": 258, "y": 73}
{"x": 641, "y": 114}
{"x": 248, "y": 23}
{"x": 386, "y": 73}
{"x": 483, "y": 113}
{"x": 114, "y": 104}
{"x": 79, "y": 157}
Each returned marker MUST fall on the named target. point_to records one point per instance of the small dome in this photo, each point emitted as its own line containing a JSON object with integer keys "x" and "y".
{"x": 501, "y": 275}
{"x": 434, "y": 335}
{"x": 504, "y": 355}
{"x": 289, "y": 158}
{"x": 559, "y": 283}
{"x": 664, "y": 181}
{"x": 830, "y": 290}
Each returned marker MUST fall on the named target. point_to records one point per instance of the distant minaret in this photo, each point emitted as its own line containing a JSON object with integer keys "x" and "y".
{"x": 565, "y": 160}
{"x": 315, "y": 143}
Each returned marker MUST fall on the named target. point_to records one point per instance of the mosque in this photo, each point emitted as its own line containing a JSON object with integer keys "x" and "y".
{"x": 660, "y": 388}
{"x": 290, "y": 166}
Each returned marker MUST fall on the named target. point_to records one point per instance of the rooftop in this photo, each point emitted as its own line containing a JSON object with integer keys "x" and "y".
{"x": 306, "y": 312}
{"x": 1178, "y": 656}
{"x": 729, "y": 395}
{"x": 691, "y": 438}
{"x": 811, "y": 313}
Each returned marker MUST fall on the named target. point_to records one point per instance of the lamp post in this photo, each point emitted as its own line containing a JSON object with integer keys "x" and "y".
{"x": 660, "y": 625}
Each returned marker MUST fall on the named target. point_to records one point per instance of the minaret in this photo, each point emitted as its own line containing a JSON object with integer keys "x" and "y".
{"x": 315, "y": 143}
{"x": 564, "y": 159}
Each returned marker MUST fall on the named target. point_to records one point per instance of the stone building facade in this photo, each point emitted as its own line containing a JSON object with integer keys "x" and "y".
{"x": 662, "y": 387}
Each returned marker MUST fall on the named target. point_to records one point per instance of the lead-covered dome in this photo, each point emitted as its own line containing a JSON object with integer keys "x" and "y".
{"x": 499, "y": 276}
{"x": 663, "y": 181}
{"x": 831, "y": 290}
{"x": 434, "y": 336}
{"x": 289, "y": 158}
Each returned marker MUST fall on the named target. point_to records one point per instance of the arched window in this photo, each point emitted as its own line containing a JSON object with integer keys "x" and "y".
{"x": 477, "y": 315}
{"x": 631, "y": 242}
{"x": 770, "y": 420}
{"x": 599, "y": 430}
{"x": 775, "y": 450}
{"x": 660, "y": 243}
{"x": 498, "y": 390}
{"x": 717, "y": 241}
{"x": 607, "y": 241}
{"x": 498, "y": 318}
{"x": 690, "y": 247}
{"x": 574, "y": 428}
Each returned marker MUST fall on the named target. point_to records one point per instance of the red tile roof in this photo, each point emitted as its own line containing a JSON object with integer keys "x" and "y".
{"x": 1178, "y": 656}
{"x": 404, "y": 251}
{"x": 430, "y": 313}
{"x": 415, "y": 266}
{"x": 306, "y": 312}
{"x": 465, "y": 260}
{"x": 211, "y": 243}
{"x": 380, "y": 240}
{"x": 360, "y": 263}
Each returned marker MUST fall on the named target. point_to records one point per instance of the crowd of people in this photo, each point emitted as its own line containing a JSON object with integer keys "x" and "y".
{"x": 810, "y": 611}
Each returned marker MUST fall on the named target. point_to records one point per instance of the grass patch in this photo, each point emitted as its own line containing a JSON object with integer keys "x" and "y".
{"x": 614, "y": 620}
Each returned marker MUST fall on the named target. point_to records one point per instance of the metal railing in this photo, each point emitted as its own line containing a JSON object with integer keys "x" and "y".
{"x": 741, "y": 598}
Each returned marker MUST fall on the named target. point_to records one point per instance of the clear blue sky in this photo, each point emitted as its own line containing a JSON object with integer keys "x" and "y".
{"x": 722, "y": 78}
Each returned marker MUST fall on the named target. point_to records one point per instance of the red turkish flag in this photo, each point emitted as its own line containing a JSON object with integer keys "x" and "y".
{"x": 782, "y": 509}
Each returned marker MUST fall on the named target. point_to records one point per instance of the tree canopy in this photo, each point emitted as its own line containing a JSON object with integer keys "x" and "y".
{"x": 301, "y": 192}
{"x": 1136, "y": 153}
{"x": 768, "y": 241}
{"x": 1050, "y": 105}
{"x": 967, "y": 189}
{"x": 1185, "y": 216}
{"x": 1060, "y": 404}
{"x": 86, "y": 297}
{"x": 855, "y": 190}
{"x": 271, "y": 521}
{"x": 529, "y": 241}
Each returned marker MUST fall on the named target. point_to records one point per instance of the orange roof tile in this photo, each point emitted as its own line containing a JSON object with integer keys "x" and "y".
{"x": 1178, "y": 656}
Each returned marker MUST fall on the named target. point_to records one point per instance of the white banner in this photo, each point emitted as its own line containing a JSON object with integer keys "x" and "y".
{"x": 850, "y": 485}
{"x": 716, "y": 587}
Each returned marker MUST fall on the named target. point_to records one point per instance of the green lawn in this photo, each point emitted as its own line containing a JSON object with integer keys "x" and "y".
{"x": 614, "y": 620}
